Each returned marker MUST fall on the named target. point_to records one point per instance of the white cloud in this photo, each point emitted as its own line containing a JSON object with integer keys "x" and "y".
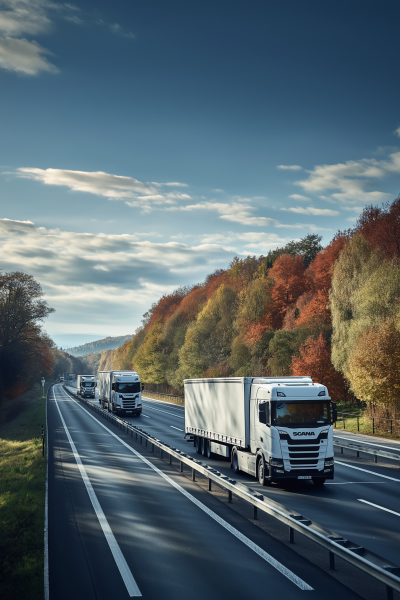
{"x": 116, "y": 187}
{"x": 24, "y": 57}
{"x": 236, "y": 212}
{"x": 352, "y": 179}
{"x": 19, "y": 17}
{"x": 310, "y": 210}
{"x": 99, "y": 278}
{"x": 290, "y": 167}
{"x": 255, "y": 242}
{"x": 118, "y": 30}
{"x": 299, "y": 197}
{"x": 397, "y": 132}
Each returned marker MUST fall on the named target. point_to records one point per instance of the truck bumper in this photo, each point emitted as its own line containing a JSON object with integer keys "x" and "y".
{"x": 302, "y": 474}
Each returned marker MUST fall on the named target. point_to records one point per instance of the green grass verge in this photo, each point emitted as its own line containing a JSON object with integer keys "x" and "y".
{"x": 364, "y": 425}
{"x": 22, "y": 496}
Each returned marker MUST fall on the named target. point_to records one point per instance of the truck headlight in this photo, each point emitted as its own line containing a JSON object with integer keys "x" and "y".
{"x": 117, "y": 406}
{"x": 276, "y": 462}
{"x": 329, "y": 462}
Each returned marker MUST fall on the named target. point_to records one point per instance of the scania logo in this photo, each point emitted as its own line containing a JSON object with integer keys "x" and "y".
{"x": 303, "y": 433}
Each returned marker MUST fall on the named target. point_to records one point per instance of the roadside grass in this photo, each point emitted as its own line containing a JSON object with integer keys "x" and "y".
{"x": 364, "y": 423}
{"x": 22, "y": 496}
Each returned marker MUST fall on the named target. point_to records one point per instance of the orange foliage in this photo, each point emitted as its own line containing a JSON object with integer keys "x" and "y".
{"x": 290, "y": 282}
{"x": 165, "y": 308}
{"x": 381, "y": 227}
{"x": 254, "y": 333}
{"x": 315, "y": 360}
{"x": 317, "y": 306}
{"x": 193, "y": 302}
{"x": 321, "y": 269}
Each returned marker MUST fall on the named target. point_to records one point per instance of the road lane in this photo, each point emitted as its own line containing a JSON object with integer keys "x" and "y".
{"x": 173, "y": 548}
{"x": 335, "y": 506}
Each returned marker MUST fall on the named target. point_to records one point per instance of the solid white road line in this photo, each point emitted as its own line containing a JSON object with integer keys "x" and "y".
{"x": 131, "y": 585}
{"x": 164, "y": 411}
{"x": 142, "y": 415}
{"x": 337, "y": 437}
{"x": 264, "y": 555}
{"x": 381, "y": 507}
{"x": 366, "y": 471}
{"x": 172, "y": 427}
{"x": 46, "y": 515}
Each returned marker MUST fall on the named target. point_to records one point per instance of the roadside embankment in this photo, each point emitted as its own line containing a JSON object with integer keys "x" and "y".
{"x": 22, "y": 496}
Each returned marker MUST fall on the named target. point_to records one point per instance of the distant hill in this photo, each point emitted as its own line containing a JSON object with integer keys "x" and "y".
{"x": 108, "y": 343}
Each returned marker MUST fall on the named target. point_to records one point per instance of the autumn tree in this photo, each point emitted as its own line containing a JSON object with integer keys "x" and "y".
{"x": 24, "y": 351}
{"x": 374, "y": 365}
{"x": 287, "y": 283}
{"x": 315, "y": 360}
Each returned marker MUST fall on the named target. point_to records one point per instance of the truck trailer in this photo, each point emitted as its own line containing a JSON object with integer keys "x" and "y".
{"x": 274, "y": 428}
{"x": 120, "y": 392}
{"x": 86, "y": 386}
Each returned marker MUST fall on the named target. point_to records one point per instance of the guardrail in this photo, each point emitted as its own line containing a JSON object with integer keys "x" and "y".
{"x": 180, "y": 400}
{"x": 366, "y": 449}
{"x": 381, "y": 569}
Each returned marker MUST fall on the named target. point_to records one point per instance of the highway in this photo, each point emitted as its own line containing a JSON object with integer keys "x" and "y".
{"x": 122, "y": 523}
{"x": 341, "y": 505}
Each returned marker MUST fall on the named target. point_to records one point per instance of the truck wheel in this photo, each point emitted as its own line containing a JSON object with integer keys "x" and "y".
{"x": 261, "y": 471}
{"x": 198, "y": 445}
{"x": 235, "y": 462}
{"x": 318, "y": 481}
{"x": 209, "y": 453}
{"x": 204, "y": 446}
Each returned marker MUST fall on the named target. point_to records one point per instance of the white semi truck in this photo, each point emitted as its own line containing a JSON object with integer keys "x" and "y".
{"x": 274, "y": 428}
{"x": 86, "y": 386}
{"x": 120, "y": 392}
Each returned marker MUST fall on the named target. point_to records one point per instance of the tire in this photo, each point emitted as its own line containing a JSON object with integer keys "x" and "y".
{"x": 319, "y": 481}
{"x": 198, "y": 445}
{"x": 204, "y": 445}
{"x": 209, "y": 453}
{"x": 235, "y": 462}
{"x": 261, "y": 471}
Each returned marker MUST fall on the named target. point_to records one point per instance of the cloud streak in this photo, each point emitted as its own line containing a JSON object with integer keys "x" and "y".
{"x": 23, "y": 56}
{"x": 310, "y": 210}
{"x": 115, "y": 187}
{"x": 352, "y": 181}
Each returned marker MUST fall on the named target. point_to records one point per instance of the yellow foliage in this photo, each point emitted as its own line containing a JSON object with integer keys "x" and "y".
{"x": 374, "y": 364}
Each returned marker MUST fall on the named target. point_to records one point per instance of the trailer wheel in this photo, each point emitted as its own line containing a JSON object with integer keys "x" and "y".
{"x": 235, "y": 462}
{"x": 261, "y": 471}
{"x": 209, "y": 453}
{"x": 198, "y": 445}
{"x": 204, "y": 446}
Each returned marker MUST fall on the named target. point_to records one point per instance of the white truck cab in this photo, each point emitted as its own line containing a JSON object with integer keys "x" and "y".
{"x": 120, "y": 392}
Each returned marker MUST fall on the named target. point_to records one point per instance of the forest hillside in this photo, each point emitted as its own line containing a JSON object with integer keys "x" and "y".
{"x": 332, "y": 313}
{"x": 107, "y": 343}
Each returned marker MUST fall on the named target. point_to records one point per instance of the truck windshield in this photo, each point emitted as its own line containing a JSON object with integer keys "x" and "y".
{"x": 87, "y": 383}
{"x": 128, "y": 388}
{"x": 301, "y": 414}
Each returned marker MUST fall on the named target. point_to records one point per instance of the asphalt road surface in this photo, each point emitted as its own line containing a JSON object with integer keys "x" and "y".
{"x": 361, "y": 503}
{"x": 123, "y": 523}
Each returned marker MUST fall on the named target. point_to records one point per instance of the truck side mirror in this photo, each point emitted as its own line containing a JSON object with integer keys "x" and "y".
{"x": 334, "y": 412}
{"x": 142, "y": 387}
{"x": 113, "y": 387}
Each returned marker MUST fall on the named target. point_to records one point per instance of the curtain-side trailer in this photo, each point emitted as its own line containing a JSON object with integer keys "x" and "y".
{"x": 274, "y": 428}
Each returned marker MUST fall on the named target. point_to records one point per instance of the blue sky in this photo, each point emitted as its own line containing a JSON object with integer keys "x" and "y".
{"x": 143, "y": 144}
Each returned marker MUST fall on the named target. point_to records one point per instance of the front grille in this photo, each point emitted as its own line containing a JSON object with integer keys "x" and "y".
{"x": 303, "y": 461}
{"x": 303, "y": 455}
{"x": 304, "y": 449}
{"x": 129, "y": 404}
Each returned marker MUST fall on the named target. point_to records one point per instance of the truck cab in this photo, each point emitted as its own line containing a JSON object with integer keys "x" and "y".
{"x": 86, "y": 386}
{"x": 291, "y": 430}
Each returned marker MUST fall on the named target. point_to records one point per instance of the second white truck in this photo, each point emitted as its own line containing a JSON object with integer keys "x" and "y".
{"x": 120, "y": 392}
{"x": 86, "y": 386}
{"x": 274, "y": 428}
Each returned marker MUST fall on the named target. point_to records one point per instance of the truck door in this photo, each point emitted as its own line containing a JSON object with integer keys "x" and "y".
{"x": 253, "y": 418}
{"x": 263, "y": 432}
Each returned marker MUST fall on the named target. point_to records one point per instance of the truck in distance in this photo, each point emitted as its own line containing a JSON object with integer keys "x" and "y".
{"x": 120, "y": 392}
{"x": 274, "y": 428}
{"x": 86, "y": 386}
